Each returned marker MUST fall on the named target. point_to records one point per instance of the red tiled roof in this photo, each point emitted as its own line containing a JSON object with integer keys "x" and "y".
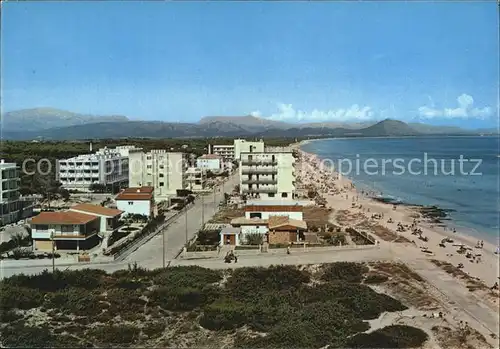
{"x": 139, "y": 190}
{"x": 210, "y": 156}
{"x": 273, "y": 208}
{"x": 100, "y": 210}
{"x": 136, "y": 193}
{"x": 63, "y": 217}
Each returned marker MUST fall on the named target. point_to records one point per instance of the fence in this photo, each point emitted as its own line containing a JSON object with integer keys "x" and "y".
{"x": 134, "y": 245}
{"x": 275, "y": 251}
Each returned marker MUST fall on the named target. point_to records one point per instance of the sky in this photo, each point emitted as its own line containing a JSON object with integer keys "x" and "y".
{"x": 433, "y": 62}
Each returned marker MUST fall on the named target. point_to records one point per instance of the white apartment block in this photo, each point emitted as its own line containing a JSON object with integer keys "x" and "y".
{"x": 195, "y": 179}
{"x": 106, "y": 167}
{"x": 267, "y": 175}
{"x": 162, "y": 170}
{"x": 9, "y": 200}
{"x": 210, "y": 162}
{"x": 224, "y": 151}
{"x": 243, "y": 146}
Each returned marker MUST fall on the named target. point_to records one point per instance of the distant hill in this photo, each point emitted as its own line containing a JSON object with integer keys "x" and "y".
{"x": 388, "y": 127}
{"x": 432, "y": 129}
{"x": 248, "y": 122}
{"x": 47, "y": 118}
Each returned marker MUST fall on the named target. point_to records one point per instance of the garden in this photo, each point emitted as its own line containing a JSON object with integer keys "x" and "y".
{"x": 275, "y": 307}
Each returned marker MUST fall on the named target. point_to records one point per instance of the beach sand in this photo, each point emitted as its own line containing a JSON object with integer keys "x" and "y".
{"x": 342, "y": 196}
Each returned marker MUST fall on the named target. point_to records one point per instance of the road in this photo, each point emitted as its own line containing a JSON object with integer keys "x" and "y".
{"x": 150, "y": 255}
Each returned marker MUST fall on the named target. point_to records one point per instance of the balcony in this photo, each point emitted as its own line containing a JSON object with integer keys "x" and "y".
{"x": 259, "y": 162}
{"x": 252, "y": 170}
{"x": 259, "y": 181}
{"x": 260, "y": 190}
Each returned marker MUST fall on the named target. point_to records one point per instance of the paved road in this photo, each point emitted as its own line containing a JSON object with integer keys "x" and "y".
{"x": 150, "y": 254}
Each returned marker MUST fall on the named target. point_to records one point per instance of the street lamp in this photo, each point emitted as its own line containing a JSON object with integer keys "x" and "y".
{"x": 53, "y": 251}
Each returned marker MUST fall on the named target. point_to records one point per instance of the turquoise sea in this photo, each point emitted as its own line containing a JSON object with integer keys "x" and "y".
{"x": 459, "y": 174}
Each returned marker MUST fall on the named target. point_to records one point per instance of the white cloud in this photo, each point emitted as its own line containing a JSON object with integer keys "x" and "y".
{"x": 256, "y": 113}
{"x": 465, "y": 110}
{"x": 286, "y": 112}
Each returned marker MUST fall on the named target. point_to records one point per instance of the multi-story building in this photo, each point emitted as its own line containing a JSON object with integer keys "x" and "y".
{"x": 137, "y": 201}
{"x": 210, "y": 162}
{"x": 243, "y": 146}
{"x": 267, "y": 175}
{"x": 162, "y": 170}
{"x": 195, "y": 178}
{"x": 224, "y": 151}
{"x": 9, "y": 199}
{"x": 106, "y": 167}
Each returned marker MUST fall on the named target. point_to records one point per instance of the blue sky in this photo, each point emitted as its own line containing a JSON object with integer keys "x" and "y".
{"x": 290, "y": 61}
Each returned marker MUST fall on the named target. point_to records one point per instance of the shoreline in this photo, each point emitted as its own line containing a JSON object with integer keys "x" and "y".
{"x": 342, "y": 195}
{"x": 470, "y": 231}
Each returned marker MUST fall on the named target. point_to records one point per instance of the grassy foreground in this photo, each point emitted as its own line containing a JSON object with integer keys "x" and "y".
{"x": 276, "y": 307}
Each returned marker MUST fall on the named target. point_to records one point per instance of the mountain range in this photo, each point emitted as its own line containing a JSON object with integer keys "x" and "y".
{"x": 55, "y": 124}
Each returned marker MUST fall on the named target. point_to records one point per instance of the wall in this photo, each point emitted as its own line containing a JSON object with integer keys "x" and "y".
{"x": 209, "y": 164}
{"x": 279, "y": 237}
{"x": 266, "y": 215}
{"x": 138, "y": 207}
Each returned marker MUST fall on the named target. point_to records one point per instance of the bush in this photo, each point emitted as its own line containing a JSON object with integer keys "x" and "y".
{"x": 191, "y": 276}
{"x": 223, "y": 315}
{"x": 208, "y": 237}
{"x": 394, "y": 336}
{"x": 183, "y": 299}
{"x": 76, "y": 301}
{"x": 344, "y": 271}
{"x": 254, "y": 239}
{"x": 249, "y": 283}
{"x": 154, "y": 329}
{"x": 13, "y": 297}
{"x": 106, "y": 335}
{"x": 375, "y": 278}
{"x": 21, "y": 336}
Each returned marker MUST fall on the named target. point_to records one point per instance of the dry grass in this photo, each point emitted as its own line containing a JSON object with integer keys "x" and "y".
{"x": 346, "y": 217}
{"x": 459, "y": 338}
{"x": 472, "y": 283}
{"x": 387, "y": 234}
{"x": 227, "y": 214}
{"x": 406, "y": 285}
{"x": 317, "y": 216}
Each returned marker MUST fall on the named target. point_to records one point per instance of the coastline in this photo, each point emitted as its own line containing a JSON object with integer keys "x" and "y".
{"x": 342, "y": 195}
{"x": 470, "y": 231}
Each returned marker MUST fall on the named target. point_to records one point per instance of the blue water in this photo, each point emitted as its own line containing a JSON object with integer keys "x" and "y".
{"x": 473, "y": 196}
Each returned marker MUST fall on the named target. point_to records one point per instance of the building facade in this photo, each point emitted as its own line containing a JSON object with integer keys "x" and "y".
{"x": 210, "y": 162}
{"x": 195, "y": 179}
{"x": 137, "y": 201}
{"x": 162, "y": 170}
{"x": 108, "y": 167}
{"x": 10, "y": 210}
{"x": 267, "y": 175}
{"x": 224, "y": 151}
{"x": 243, "y": 146}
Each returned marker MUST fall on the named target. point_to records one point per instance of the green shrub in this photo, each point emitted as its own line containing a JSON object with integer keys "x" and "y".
{"x": 394, "y": 336}
{"x": 254, "y": 239}
{"x": 191, "y": 276}
{"x": 115, "y": 335}
{"x": 375, "y": 278}
{"x": 21, "y": 336}
{"x": 249, "y": 283}
{"x": 183, "y": 298}
{"x": 223, "y": 315}
{"x": 344, "y": 271}
{"x": 12, "y": 297}
{"x": 154, "y": 329}
{"x": 74, "y": 301}
{"x": 122, "y": 300}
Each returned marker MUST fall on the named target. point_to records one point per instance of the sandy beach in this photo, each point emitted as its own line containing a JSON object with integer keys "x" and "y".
{"x": 360, "y": 209}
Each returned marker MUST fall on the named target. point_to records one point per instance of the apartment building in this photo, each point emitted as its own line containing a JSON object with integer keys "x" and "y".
{"x": 9, "y": 199}
{"x": 267, "y": 175}
{"x": 210, "y": 162}
{"x": 224, "y": 151}
{"x": 162, "y": 170}
{"x": 195, "y": 178}
{"x": 243, "y": 146}
{"x": 106, "y": 167}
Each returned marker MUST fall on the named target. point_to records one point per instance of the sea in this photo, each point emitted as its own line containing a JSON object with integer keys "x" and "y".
{"x": 457, "y": 174}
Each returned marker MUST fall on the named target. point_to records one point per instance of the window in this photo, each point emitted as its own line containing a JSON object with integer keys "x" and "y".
{"x": 149, "y": 166}
{"x": 130, "y": 202}
{"x": 161, "y": 174}
{"x": 271, "y": 195}
{"x": 161, "y": 184}
{"x": 255, "y": 215}
{"x": 162, "y": 166}
{"x": 284, "y": 195}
